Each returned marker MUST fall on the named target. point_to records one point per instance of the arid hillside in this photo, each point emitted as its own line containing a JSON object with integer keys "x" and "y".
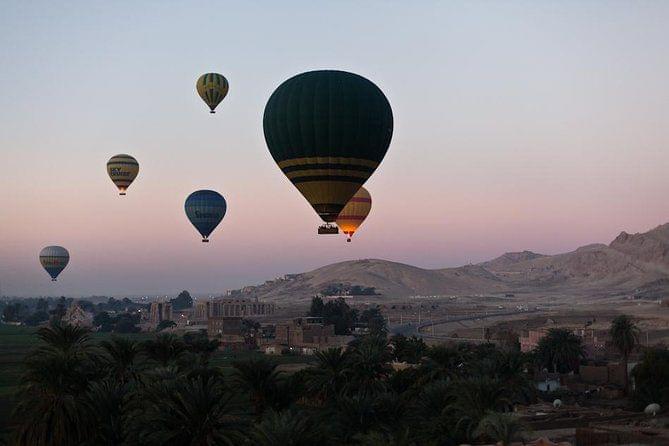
{"x": 629, "y": 263}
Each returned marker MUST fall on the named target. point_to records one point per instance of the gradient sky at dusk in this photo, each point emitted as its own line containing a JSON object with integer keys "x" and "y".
{"x": 518, "y": 125}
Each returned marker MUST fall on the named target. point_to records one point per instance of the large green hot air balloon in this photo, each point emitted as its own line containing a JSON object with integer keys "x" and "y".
{"x": 328, "y": 131}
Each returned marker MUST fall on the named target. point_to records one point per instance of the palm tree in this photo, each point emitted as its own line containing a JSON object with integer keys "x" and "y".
{"x": 201, "y": 345}
{"x": 376, "y": 438}
{"x": 472, "y": 398}
{"x": 259, "y": 378}
{"x": 369, "y": 365}
{"x": 51, "y": 407}
{"x": 435, "y": 424}
{"x": 625, "y": 337}
{"x": 104, "y": 402}
{"x": 355, "y": 415}
{"x": 64, "y": 338}
{"x": 164, "y": 349}
{"x": 287, "y": 428}
{"x": 561, "y": 350}
{"x": 500, "y": 427}
{"x": 441, "y": 362}
{"x": 121, "y": 358}
{"x": 328, "y": 377}
{"x": 195, "y": 412}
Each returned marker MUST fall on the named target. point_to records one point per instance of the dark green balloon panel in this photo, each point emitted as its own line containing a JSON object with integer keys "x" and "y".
{"x": 328, "y": 114}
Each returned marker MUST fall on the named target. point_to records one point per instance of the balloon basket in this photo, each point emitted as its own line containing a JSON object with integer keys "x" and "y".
{"x": 53, "y": 280}
{"x": 328, "y": 229}
{"x": 212, "y": 112}
{"x": 122, "y": 194}
{"x": 204, "y": 240}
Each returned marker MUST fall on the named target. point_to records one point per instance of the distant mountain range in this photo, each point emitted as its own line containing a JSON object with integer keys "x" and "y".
{"x": 631, "y": 262}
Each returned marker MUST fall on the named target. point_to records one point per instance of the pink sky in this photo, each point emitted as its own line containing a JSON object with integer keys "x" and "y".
{"x": 518, "y": 126}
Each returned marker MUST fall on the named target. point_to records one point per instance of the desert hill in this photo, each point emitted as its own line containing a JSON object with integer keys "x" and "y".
{"x": 630, "y": 262}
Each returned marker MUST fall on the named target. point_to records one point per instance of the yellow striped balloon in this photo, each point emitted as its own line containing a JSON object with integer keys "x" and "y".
{"x": 212, "y": 88}
{"x": 354, "y": 213}
{"x": 122, "y": 170}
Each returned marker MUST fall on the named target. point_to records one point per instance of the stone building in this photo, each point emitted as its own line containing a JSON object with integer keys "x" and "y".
{"x": 227, "y": 307}
{"x": 229, "y": 330}
{"x": 160, "y": 311}
{"x": 594, "y": 342}
{"x": 308, "y": 334}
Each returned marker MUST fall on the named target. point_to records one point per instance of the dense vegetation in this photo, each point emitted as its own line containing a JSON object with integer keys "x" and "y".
{"x": 344, "y": 318}
{"x": 168, "y": 390}
{"x": 164, "y": 391}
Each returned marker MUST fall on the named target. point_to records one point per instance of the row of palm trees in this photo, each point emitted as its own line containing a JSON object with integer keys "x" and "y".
{"x": 164, "y": 391}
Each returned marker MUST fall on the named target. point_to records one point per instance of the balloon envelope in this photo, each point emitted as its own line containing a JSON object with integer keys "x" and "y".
{"x": 54, "y": 259}
{"x": 355, "y": 212}
{"x": 212, "y": 88}
{"x": 328, "y": 131}
{"x": 205, "y": 210}
{"x": 122, "y": 170}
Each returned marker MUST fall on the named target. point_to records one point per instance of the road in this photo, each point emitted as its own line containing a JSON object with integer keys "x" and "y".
{"x": 414, "y": 328}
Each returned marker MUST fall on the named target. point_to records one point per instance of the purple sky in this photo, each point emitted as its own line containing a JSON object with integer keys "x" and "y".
{"x": 518, "y": 125}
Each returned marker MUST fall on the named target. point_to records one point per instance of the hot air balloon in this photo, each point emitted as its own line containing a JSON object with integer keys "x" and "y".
{"x": 122, "y": 170}
{"x": 205, "y": 210}
{"x": 212, "y": 88}
{"x": 54, "y": 259}
{"x": 328, "y": 131}
{"x": 355, "y": 212}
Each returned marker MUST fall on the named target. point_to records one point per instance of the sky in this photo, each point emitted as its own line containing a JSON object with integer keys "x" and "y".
{"x": 518, "y": 125}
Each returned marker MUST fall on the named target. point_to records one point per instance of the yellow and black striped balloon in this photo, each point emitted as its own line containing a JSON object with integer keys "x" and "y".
{"x": 212, "y": 88}
{"x": 122, "y": 170}
{"x": 328, "y": 131}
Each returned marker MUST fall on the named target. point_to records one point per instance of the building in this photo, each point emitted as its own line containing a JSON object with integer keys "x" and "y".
{"x": 229, "y": 307}
{"x": 229, "y": 330}
{"x": 308, "y": 334}
{"x": 594, "y": 342}
{"x": 75, "y": 315}
{"x": 160, "y": 311}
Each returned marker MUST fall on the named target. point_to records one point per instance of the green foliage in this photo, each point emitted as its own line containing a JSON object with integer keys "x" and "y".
{"x": 102, "y": 318}
{"x": 624, "y": 335}
{"x": 188, "y": 411}
{"x": 409, "y": 350}
{"x": 335, "y": 312}
{"x": 560, "y": 351}
{"x": 162, "y": 325}
{"x": 651, "y": 377}
{"x": 499, "y": 427}
{"x": 14, "y": 312}
{"x": 36, "y": 318}
{"x": 165, "y": 391}
{"x": 374, "y": 320}
{"x": 287, "y": 428}
{"x": 121, "y": 323}
{"x": 182, "y": 301}
{"x": 165, "y": 349}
